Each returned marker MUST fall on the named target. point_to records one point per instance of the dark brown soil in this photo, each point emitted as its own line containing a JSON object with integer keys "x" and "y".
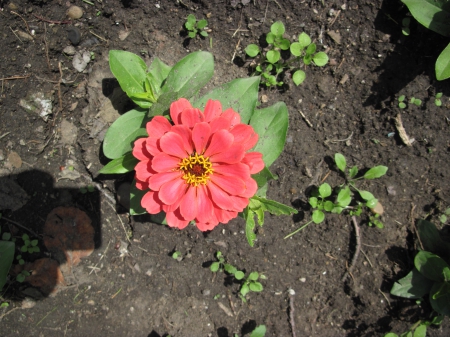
{"x": 133, "y": 287}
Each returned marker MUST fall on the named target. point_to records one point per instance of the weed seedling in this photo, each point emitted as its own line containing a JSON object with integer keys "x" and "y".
{"x": 177, "y": 256}
{"x": 415, "y": 101}
{"x": 22, "y": 276}
{"x": 437, "y": 99}
{"x": 195, "y": 27}
{"x": 402, "y": 101}
{"x": 29, "y": 246}
{"x": 444, "y": 217}
{"x": 405, "y": 26}
{"x": 271, "y": 63}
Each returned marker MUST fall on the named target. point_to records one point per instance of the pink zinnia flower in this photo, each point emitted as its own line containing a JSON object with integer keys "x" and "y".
{"x": 199, "y": 168}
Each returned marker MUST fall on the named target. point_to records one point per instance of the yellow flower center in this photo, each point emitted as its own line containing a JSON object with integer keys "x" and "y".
{"x": 197, "y": 169}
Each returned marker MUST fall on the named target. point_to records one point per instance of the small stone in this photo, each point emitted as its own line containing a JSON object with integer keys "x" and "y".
{"x": 378, "y": 209}
{"x": 91, "y": 302}
{"x": 12, "y": 6}
{"x": 28, "y": 303}
{"x": 80, "y": 61}
{"x": 15, "y": 159}
{"x": 303, "y": 280}
{"x": 74, "y": 35}
{"x": 22, "y": 142}
{"x": 391, "y": 190}
{"x": 25, "y": 36}
{"x": 74, "y": 12}
{"x": 335, "y": 36}
{"x": 264, "y": 99}
{"x": 206, "y": 292}
{"x": 69, "y": 50}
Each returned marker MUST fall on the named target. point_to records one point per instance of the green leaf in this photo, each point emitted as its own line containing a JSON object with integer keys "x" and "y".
{"x": 430, "y": 265}
{"x": 344, "y": 197}
{"x": 433, "y": 14}
{"x": 304, "y": 40}
{"x": 353, "y": 172}
{"x": 273, "y": 56}
{"x": 313, "y": 202}
{"x": 34, "y": 242}
{"x": 202, "y": 24}
{"x": 421, "y": 331}
{"x": 391, "y": 334}
{"x": 340, "y": 161}
{"x": 440, "y": 303}
{"x": 296, "y": 49}
{"x": 284, "y": 44}
{"x": 129, "y": 69}
{"x": 307, "y": 59}
{"x": 271, "y": 125}
{"x": 248, "y": 216}
{"x": 135, "y": 200}
{"x": 6, "y": 236}
{"x": 256, "y": 286}
{"x": 311, "y": 49}
{"x": 325, "y": 190}
{"x": 366, "y": 195}
{"x": 159, "y": 71}
{"x": 431, "y": 239}
{"x": 252, "y": 50}
{"x": 270, "y": 38}
{"x": 190, "y": 74}
{"x": 328, "y": 206}
{"x": 25, "y": 237}
{"x": 241, "y": 95}
{"x": 274, "y": 207}
{"x": 372, "y": 203}
{"x": 230, "y": 268}
{"x": 244, "y": 289}
{"x": 192, "y": 34}
{"x": 239, "y": 275}
{"x": 7, "y": 256}
{"x": 376, "y": 172}
{"x": 261, "y": 179}
{"x": 298, "y": 77}
{"x": 413, "y": 285}
{"x": 122, "y": 134}
{"x": 318, "y": 216}
{"x": 259, "y": 331}
{"x": 320, "y": 59}
{"x": 191, "y": 19}
{"x": 253, "y": 276}
{"x": 124, "y": 164}
{"x": 277, "y": 28}
{"x": 204, "y": 33}
{"x": 443, "y": 64}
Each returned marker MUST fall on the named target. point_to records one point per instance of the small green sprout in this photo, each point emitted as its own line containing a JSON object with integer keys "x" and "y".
{"x": 401, "y": 102}
{"x": 22, "y": 276}
{"x": 415, "y": 101}
{"x": 437, "y": 99}
{"x": 195, "y": 27}
{"x": 444, "y": 217}
{"x": 20, "y": 260}
{"x": 29, "y": 246}
{"x": 177, "y": 256}
{"x": 405, "y": 26}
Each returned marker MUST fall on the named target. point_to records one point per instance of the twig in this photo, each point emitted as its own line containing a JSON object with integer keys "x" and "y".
{"x": 277, "y": 3}
{"x": 265, "y": 12}
{"x": 306, "y": 119}
{"x": 357, "y": 249}
{"x": 387, "y": 299}
{"x": 334, "y": 20}
{"x": 291, "y": 311}
{"x": 26, "y": 23}
{"x": 8, "y": 312}
{"x": 53, "y": 21}
{"x": 235, "y": 50}
{"x": 21, "y": 226}
{"x": 101, "y": 38}
{"x": 5, "y": 134}
{"x": 326, "y": 176}
{"x": 402, "y": 132}
{"x": 59, "y": 94}
{"x": 15, "y": 34}
{"x": 14, "y": 77}
{"x": 367, "y": 258}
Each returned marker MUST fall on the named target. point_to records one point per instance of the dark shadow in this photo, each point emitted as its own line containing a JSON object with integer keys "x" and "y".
{"x": 118, "y": 98}
{"x": 35, "y": 202}
{"x": 222, "y": 332}
{"x": 413, "y": 55}
{"x": 248, "y": 327}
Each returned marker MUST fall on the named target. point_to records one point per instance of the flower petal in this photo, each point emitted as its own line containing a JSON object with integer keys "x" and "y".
{"x": 172, "y": 191}
{"x": 212, "y": 110}
{"x": 254, "y": 161}
{"x": 219, "y": 123}
{"x": 144, "y": 170}
{"x": 200, "y": 136}
{"x": 239, "y": 203}
{"x": 139, "y": 150}
{"x": 245, "y": 134}
{"x": 231, "y": 185}
{"x": 239, "y": 170}
{"x": 191, "y": 116}
{"x": 152, "y": 146}
{"x": 186, "y": 135}
{"x": 163, "y": 162}
{"x": 158, "y": 126}
{"x": 206, "y": 226}
{"x": 220, "y": 197}
{"x": 156, "y": 181}
{"x": 251, "y": 188}
{"x": 232, "y": 116}
{"x": 151, "y": 202}
{"x": 141, "y": 185}
{"x": 232, "y": 155}
{"x": 177, "y": 107}
{"x": 220, "y": 141}
{"x": 172, "y": 144}
{"x": 204, "y": 205}
{"x": 223, "y": 216}
{"x": 188, "y": 205}
{"x": 174, "y": 219}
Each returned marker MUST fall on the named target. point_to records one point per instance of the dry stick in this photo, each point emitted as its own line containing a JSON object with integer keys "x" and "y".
{"x": 53, "y": 21}
{"x": 15, "y": 34}
{"x": 235, "y": 50}
{"x": 306, "y": 119}
{"x": 21, "y": 226}
{"x": 46, "y": 47}
{"x": 291, "y": 310}
{"x": 26, "y": 23}
{"x": 59, "y": 94}
{"x": 14, "y": 77}
{"x": 334, "y": 20}
{"x": 357, "y": 249}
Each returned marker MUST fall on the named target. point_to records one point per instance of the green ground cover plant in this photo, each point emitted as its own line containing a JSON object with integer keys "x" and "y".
{"x": 195, "y": 27}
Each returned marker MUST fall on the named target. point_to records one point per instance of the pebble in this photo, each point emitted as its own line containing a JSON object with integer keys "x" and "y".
{"x": 264, "y": 99}
{"x": 378, "y": 209}
{"x": 15, "y": 159}
{"x": 74, "y": 12}
{"x": 69, "y": 50}
{"x": 74, "y": 35}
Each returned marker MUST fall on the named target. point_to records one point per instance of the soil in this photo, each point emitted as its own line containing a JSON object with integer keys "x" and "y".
{"x": 131, "y": 285}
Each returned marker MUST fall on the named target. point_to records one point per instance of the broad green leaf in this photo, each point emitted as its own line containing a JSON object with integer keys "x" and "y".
{"x": 313, "y": 202}
{"x": 259, "y": 331}
{"x": 253, "y": 276}
{"x": 252, "y": 50}
{"x": 304, "y": 40}
{"x": 143, "y": 99}
{"x": 7, "y": 256}
{"x": 274, "y": 207}
{"x": 239, "y": 275}
{"x": 353, "y": 172}
{"x": 443, "y": 64}
{"x": 432, "y": 240}
{"x": 122, "y": 134}
{"x": 261, "y": 179}
{"x": 376, "y": 172}
{"x": 249, "y": 217}
{"x": 230, "y": 268}
{"x": 271, "y": 125}
{"x": 391, "y": 334}
{"x": 325, "y": 190}
{"x": 328, "y": 206}
{"x": 204, "y": 33}
{"x": 214, "y": 267}
{"x": 320, "y": 59}
{"x": 135, "y": 200}
{"x": 311, "y": 49}
{"x": 430, "y": 265}
{"x": 241, "y": 95}
{"x": 191, "y": 19}
{"x": 344, "y": 197}
{"x": 159, "y": 71}
{"x": 340, "y": 161}
{"x": 366, "y": 195}
{"x": 273, "y": 56}
{"x": 441, "y": 303}
{"x": 307, "y": 59}
{"x": 192, "y": 34}
{"x": 190, "y": 74}
{"x": 124, "y": 164}
{"x": 318, "y": 216}
{"x": 161, "y": 107}
{"x": 202, "y": 24}
{"x": 129, "y": 69}
{"x": 372, "y": 203}
{"x": 433, "y": 14}
{"x": 270, "y": 38}
{"x": 298, "y": 77}
{"x": 256, "y": 286}
{"x": 413, "y": 285}
{"x": 244, "y": 289}
{"x": 284, "y": 44}
{"x": 421, "y": 331}
{"x": 277, "y": 28}
{"x": 296, "y": 49}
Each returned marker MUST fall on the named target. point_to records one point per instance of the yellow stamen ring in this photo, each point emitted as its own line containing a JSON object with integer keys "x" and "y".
{"x": 197, "y": 169}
